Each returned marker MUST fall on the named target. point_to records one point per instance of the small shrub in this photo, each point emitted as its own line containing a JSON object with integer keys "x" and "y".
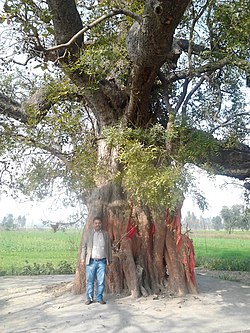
{"x": 46, "y": 269}
{"x": 65, "y": 268}
{"x": 227, "y": 277}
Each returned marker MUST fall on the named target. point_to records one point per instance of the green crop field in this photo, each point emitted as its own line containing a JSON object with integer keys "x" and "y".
{"x": 45, "y": 252}
{"x": 38, "y": 252}
{"x": 222, "y": 251}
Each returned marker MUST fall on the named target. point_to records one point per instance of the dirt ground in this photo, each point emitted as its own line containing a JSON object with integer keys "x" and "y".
{"x": 34, "y": 304}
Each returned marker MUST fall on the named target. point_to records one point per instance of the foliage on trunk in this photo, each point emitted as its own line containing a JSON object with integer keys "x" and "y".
{"x": 150, "y": 254}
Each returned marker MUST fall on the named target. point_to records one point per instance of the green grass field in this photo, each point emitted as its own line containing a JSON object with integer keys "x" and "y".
{"x": 34, "y": 251}
{"x": 45, "y": 252}
{"x": 219, "y": 250}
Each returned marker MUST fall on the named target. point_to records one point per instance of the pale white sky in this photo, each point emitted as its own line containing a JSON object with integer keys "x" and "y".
{"x": 222, "y": 191}
{"x": 35, "y": 212}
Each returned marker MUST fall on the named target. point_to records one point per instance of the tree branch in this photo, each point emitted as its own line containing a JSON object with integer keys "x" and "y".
{"x": 230, "y": 120}
{"x": 223, "y": 159}
{"x": 232, "y": 161}
{"x": 39, "y": 101}
{"x": 92, "y": 25}
{"x": 50, "y": 149}
{"x": 149, "y": 45}
{"x": 190, "y": 94}
{"x": 183, "y": 95}
{"x": 186, "y": 73}
{"x": 12, "y": 109}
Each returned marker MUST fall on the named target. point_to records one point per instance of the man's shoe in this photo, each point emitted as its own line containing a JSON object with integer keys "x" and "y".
{"x": 88, "y": 302}
{"x": 101, "y": 301}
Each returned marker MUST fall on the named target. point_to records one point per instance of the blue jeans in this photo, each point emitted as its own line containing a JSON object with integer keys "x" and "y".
{"x": 95, "y": 269}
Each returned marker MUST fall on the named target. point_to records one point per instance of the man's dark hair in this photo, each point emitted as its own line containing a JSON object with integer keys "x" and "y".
{"x": 97, "y": 218}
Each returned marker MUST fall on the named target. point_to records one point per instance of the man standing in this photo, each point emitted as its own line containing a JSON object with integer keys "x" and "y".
{"x": 96, "y": 254}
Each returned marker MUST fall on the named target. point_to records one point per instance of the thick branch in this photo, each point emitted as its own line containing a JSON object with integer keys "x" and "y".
{"x": 227, "y": 160}
{"x": 150, "y": 41}
{"x": 107, "y": 104}
{"x": 17, "y": 111}
{"x": 143, "y": 79}
{"x": 38, "y": 104}
{"x": 12, "y": 109}
{"x": 232, "y": 161}
{"x": 66, "y": 20}
{"x": 207, "y": 68}
{"x": 186, "y": 73}
{"x": 149, "y": 44}
{"x": 92, "y": 25}
{"x": 184, "y": 45}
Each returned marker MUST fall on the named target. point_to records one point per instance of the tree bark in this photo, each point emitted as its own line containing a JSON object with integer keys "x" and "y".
{"x": 147, "y": 257}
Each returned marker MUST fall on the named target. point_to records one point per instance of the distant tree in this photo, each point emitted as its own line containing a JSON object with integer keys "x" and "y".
{"x": 244, "y": 222}
{"x": 217, "y": 223}
{"x": 205, "y": 222}
{"x": 190, "y": 221}
{"x": 8, "y": 222}
{"x": 232, "y": 217}
{"x": 21, "y": 221}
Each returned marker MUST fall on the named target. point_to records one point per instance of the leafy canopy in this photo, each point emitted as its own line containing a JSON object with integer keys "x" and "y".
{"x": 203, "y": 89}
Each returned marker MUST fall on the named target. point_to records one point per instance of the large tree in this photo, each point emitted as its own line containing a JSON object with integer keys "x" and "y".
{"x": 133, "y": 93}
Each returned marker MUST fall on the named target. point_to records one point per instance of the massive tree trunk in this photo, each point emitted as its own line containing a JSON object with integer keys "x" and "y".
{"x": 149, "y": 253}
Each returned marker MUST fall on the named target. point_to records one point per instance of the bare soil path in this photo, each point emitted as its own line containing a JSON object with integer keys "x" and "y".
{"x": 38, "y": 304}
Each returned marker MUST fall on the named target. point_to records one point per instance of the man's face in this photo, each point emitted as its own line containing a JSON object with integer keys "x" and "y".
{"x": 97, "y": 225}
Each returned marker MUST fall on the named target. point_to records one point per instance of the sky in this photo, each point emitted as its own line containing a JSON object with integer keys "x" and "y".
{"x": 222, "y": 191}
{"x": 35, "y": 212}
{"x": 219, "y": 192}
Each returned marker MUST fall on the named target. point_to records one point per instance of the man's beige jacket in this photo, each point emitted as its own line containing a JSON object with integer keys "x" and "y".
{"x": 87, "y": 246}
